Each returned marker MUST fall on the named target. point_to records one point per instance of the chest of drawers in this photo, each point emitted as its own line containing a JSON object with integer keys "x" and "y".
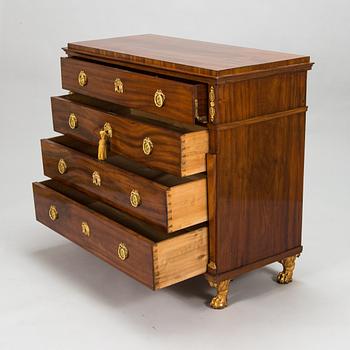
{"x": 178, "y": 158}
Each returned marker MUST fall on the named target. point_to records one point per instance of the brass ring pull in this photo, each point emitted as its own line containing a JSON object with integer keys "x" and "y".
{"x": 73, "y": 121}
{"x": 53, "y": 213}
{"x": 105, "y": 136}
{"x": 62, "y": 166}
{"x": 96, "y": 178}
{"x": 147, "y": 146}
{"x": 135, "y": 198}
{"x": 118, "y": 86}
{"x": 159, "y": 98}
{"x": 123, "y": 251}
{"x": 82, "y": 78}
{"x": 85, "y": 229}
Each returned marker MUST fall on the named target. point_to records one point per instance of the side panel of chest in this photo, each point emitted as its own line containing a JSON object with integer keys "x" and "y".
{"x": 259, "y": 169}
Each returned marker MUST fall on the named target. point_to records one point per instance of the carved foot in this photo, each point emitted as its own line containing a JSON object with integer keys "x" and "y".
{"x": 220, "y": 299}
{"x": 286, "y": 275}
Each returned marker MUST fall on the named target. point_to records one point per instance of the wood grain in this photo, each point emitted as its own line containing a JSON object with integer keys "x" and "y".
{"x": 183, "y": 55}
{"x": 177, "y": 149}
{"x": 254, "y": 147}
{"x": 105, "y": 233}
{"x": 187, "y": 204}
{"x": 180, "y": 258}
{"x": 259, "y": 193}
{"x": 256, "y": 97}
{"x": 187, "y": 207}
{"x": 139, "y": 89}
{"x": 156, "y": 263}
{"x": 232, "y": 274}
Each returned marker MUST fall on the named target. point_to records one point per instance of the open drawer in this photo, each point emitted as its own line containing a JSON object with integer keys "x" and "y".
{"x": 132, "y": 246}
{"x": 177, "y": 149}
{"x": 161, "y": 199}
{"x": 163, "y": 96}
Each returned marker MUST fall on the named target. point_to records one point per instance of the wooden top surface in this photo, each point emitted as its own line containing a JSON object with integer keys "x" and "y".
{"x": 183, "y": 55}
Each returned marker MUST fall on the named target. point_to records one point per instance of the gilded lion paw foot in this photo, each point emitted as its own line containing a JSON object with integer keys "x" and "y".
{"x": 286, "y": 276}
{"x": 220, "y": 300}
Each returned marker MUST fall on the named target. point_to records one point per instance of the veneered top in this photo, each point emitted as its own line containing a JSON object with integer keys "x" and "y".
{"x": 183, "y": 55}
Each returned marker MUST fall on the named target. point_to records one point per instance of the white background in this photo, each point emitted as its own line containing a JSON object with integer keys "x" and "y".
{"x": 53, "y": 295}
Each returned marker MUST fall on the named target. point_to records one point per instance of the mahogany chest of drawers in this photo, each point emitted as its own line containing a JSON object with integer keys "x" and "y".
{"x": 178, "y": 158}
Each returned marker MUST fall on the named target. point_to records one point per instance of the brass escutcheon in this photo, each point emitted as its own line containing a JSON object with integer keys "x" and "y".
{"x": 118, "y": 86}
{"x": 53, "y": 213}
{"x": 108, "y": 129}
{"x": 96, "y": 178}
{"x": 135, "y": 198}
{"x": 62, "y": 166}
{"x": 73, "y": 121}
{"x": 159, "y": 98}
{"x": 82, "y": 78}
{"x": 147, "y": 146}
{"x": 122, "y": 251}
{"x": 85, "y": 229}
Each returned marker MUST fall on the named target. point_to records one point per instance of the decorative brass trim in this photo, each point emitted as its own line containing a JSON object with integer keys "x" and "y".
{"x": 212, "y": 265}
{"x": 212, "y": 103}
{"x": 220, "y": 299}
{"x": 82, "y": 78}
{"x": 122, "y": 251}
{"x": 159, "y": 98}
{"x": 73, "y": 121}
{"x": 62, "y": 166}
{"x": 53, "y": 213}
{"x": 85, "y": 229}
{"x": 105, "y": 136}
{"x": 201, "y": 119}
{"x": 135, "y": 198}
{"x": 147, "y": 146}
{"x": 286, "y": 276}
{"x": 96, "y": 178}
{"x": 118, "y": 86}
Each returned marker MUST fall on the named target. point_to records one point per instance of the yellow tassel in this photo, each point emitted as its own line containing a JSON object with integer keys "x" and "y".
{"x": 102, "y": 145}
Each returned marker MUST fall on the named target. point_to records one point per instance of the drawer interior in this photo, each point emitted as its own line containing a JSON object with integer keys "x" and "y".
{"x": 152, "y": 258}
{"x": 131, "y": 113}
{"x": 127, "y": 164}
{"x": 153, "y": 233}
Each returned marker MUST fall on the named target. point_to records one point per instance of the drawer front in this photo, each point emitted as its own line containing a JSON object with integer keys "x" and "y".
{"x": 170, "y": 207}
{"x": 156, "y": 264}
{"x": 177, "y": 151}
{"x": 164, "y": 97}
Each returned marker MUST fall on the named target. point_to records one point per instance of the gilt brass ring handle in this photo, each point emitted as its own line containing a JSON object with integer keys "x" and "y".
{"x": 53, "y": 213}
{"x": 85, "y": 229}
{"x": 135, "y": 198}
{"x": 159, "y": 98}
{"x": 122, "y": 251}
{"x": 62, "y": 166}
{"x": 73, "y": 121}
{"x": 147, "y": 146}
{"x": 105, "y": 136}
{"x": 118, "y": 86}
{"x": 82, "y": 78}
{"x": 96, "y": 178}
